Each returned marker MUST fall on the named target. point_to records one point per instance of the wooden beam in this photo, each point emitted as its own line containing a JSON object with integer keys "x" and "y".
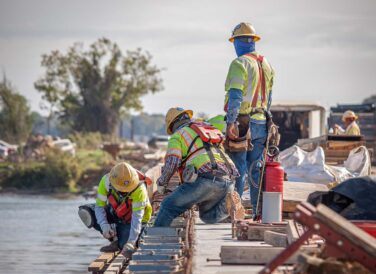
{"x": 116, "y": 265}
{"x": 297, "y": 192}
{"x": 255, "y": 255}
{"x": 292, "y": 231}
{"x": 105, "y": 257}
{"x": 96, "y": 266}
{"x": 256, "y": 232}
{"x": 275, "y": 238}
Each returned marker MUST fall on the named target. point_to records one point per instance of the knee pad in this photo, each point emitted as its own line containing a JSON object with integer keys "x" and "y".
{"x": 87, "y": 215}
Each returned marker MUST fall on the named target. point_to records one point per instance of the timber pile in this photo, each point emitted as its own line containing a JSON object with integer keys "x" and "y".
{"x": 366, "y": 121}
{"x": 336, "y": 147}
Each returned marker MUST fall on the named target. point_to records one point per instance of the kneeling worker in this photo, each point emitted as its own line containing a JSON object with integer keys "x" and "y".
{"x": 122, "y": 206}
{"x": 207, "y": 173}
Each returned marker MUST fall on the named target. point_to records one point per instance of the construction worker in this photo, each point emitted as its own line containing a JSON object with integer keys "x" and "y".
{"x": 349, "y": 119}
{"x": 207, "y": 173}
{"x": 218, "y": 122}
{"x": 122, "y": 206}
{"x": 247, "y": 102}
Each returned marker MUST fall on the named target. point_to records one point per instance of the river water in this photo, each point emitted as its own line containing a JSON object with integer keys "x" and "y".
{"x": 40, "y": 234}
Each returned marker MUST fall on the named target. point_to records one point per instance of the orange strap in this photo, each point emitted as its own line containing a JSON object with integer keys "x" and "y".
{"x": 261, "y": 83}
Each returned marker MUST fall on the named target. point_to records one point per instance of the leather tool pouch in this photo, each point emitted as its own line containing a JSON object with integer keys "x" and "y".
{"x": 243, "y": 143}
{"x": 274, "y": 136}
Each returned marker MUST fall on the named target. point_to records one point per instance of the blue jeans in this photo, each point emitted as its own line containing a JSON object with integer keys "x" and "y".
{"x": 122, "y": 230}
{"x": 208, "y": 194}
{"x": 249, "y": 162}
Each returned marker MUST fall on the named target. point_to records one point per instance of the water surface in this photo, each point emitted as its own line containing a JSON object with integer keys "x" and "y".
{"x": 40, "y": 234}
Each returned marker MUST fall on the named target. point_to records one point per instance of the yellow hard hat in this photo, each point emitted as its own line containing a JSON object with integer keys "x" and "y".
{"x": 123, "y": 177}
{"x": 244, "y": 29}
{"x": 349, "y": 114}
{"x": 174, "y": 113}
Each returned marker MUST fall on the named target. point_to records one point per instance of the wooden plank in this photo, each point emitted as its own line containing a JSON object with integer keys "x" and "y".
{"x": 275, "y": 238}
{"x": 256, "y": 233}
{"x": 292, "y": 232}
{"x": 96, "y": 266}
{"x": 255, "y": 255}
{"x": 297, "y": 192}
{"x": 105, "y": 257}
{"x": 348, "y": 230}
{"x": 116, "y": 265}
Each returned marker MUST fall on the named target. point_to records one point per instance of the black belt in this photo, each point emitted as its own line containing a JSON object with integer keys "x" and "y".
{"x": 218, "y": 178}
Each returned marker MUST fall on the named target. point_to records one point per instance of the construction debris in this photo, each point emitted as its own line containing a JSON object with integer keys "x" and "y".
{"x": 343, "y": 239}
{"x": 252, "y": 231}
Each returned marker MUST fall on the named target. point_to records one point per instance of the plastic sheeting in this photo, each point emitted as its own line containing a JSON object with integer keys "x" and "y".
{"x": 303, "y": 166}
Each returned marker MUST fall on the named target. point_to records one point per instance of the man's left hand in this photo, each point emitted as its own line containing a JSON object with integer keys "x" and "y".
{"x": 128, "y": 250}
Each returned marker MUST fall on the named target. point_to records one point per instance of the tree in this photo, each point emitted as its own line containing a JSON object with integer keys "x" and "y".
{"x": 370, "y": 100}
{"x": 91, "y": 89}
{"x": 15, "y": 117}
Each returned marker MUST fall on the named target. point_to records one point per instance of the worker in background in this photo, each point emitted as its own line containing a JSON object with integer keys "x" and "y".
{"x": 247, "y": 102}
{"x": 349, "y": 119}
{"x": 219, "y": 122}
{"x": 211, "y": 184}
{"x": 122, "y": 206}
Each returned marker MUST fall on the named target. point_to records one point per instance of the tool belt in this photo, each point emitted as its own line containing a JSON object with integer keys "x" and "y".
{"x": 243, "y": 142}
{"x": 216, "y": 177}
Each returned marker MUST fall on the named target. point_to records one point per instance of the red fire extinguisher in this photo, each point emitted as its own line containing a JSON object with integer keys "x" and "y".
{"x": 273, "y": 191}
{"x": 274, "y": 175}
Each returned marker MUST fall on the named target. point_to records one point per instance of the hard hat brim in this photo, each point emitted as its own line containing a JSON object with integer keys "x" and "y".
{"x": 254, "y": 36}
{"x": 344, "y": 118}
{"x": 187, "y": 111}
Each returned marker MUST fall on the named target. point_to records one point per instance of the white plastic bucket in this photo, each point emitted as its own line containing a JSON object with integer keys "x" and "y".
{"x": 271, "y": 207}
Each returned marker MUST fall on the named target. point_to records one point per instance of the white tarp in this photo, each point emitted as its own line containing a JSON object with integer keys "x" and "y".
{"x": 303, "y": 166}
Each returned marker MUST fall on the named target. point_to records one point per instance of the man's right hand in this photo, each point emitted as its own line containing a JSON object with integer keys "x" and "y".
{"x": 232, "y": 132}
{"x": 161, "y": 186}
{"x": 107, "y": 231}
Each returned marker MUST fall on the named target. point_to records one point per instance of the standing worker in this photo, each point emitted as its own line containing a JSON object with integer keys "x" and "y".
{"x": 349, "y": 119}
{"x": 207, "y": 173}
{"x": 248, "y": 98}
{"x": 122, "y": 206}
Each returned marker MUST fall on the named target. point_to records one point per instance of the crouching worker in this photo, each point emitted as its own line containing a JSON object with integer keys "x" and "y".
{"x": 122, "y": 207}
{"x": 194, "y": 149}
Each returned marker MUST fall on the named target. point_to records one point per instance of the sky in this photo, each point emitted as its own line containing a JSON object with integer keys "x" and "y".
{"x": 322, "y": 51}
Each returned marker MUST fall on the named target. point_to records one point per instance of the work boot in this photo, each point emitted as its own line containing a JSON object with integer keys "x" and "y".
{"x": 112, "y": 247}
{"x": 234, "y": 206}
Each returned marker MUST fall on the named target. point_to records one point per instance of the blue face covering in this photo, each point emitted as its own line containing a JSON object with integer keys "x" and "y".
{"x": 242, "y": 47}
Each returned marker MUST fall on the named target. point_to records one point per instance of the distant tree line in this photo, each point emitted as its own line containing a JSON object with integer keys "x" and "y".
{"x": 85, "y": 90}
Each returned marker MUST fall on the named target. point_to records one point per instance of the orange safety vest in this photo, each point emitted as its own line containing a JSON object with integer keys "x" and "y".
{"x": 122, "y": 210}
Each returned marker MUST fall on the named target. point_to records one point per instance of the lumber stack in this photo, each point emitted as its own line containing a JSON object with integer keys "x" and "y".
{"x": 336, "y": 147}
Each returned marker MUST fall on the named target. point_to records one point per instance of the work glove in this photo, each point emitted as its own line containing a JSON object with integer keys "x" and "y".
{"x": 161, "y": 187}
{"x": 128, "y": 250}
{"x": 108, "y": 231}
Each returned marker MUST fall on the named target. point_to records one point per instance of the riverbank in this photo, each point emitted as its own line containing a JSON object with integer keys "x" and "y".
{"x": 57, "y": 173}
